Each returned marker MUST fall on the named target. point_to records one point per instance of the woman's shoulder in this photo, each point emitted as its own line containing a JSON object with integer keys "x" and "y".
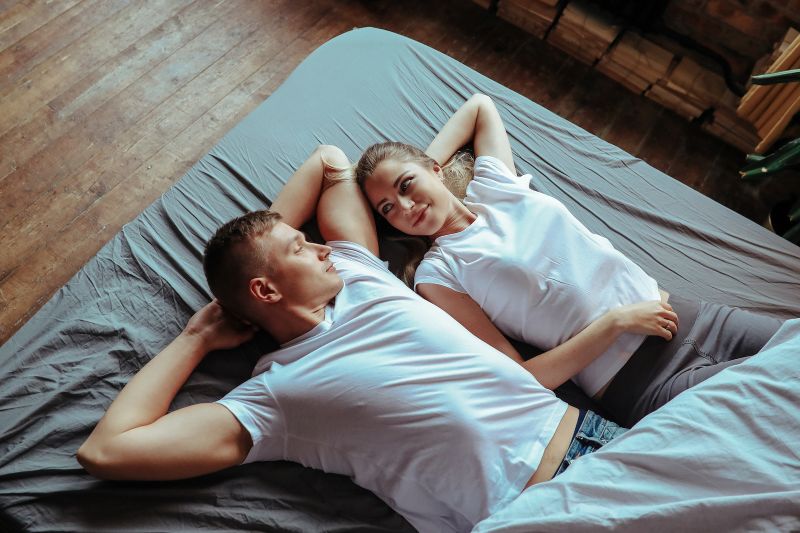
{"x": 436, "y": 268}
{"x": 490, "y": 168}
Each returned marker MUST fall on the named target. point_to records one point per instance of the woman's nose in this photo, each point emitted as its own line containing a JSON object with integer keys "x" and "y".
{"x": 406, "y": 202}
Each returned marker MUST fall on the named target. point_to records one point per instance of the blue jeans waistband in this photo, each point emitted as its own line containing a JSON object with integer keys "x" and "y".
{"x": 592, "y": 432}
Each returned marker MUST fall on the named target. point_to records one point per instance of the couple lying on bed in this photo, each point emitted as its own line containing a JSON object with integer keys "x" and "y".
{"x": 374, "y": 382}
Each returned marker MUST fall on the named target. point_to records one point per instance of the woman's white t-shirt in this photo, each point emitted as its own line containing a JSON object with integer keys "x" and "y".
{"x": 392, "y": 391}
{"x": 538, "y": 273}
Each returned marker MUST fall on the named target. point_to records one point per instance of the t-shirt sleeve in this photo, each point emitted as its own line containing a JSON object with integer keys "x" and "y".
{"x": 492, "y": 169}
{"x": 357, "y": 253}
{"x": 257, "y": 409}
{"x": 434, "y": 270}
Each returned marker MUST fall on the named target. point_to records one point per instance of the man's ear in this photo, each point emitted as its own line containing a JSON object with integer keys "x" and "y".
{"x": 438, "y": 170}
{"x": 263, "y": 290}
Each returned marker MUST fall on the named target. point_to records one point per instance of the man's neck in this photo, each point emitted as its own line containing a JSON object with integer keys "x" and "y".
{"x": 294, "y": 322}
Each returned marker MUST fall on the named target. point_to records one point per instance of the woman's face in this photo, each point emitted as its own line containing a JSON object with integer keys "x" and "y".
{"x": 410, "y": 196}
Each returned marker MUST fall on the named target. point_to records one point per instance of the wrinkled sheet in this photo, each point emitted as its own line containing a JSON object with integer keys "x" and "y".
{"x": 63, "y": 368}
{"x": 722, "y": 456}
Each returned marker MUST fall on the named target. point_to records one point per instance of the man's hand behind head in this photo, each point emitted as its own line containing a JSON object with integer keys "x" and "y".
{"x": 216, "y": 329}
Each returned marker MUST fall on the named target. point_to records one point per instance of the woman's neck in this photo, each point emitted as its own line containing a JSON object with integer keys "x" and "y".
{"x": 458, "y": 219}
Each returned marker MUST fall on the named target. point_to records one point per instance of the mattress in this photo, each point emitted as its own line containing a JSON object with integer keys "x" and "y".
{"x": 62, "y": 369}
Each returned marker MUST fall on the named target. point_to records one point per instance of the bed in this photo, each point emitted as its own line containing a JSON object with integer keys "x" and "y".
{"x": 722, "y": 457}
{"x": 62, "y": 369}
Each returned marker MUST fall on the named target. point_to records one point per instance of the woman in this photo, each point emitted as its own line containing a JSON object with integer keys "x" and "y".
{"x": 515, "y": 259}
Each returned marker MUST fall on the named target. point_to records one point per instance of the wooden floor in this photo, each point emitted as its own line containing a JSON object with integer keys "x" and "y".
{"x": 106, "y": 103}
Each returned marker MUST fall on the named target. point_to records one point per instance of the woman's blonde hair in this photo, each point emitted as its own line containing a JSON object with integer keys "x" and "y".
{"x": 457, "y": 173}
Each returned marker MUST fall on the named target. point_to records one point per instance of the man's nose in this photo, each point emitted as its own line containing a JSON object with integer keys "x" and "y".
{"x": 324, "y": 251}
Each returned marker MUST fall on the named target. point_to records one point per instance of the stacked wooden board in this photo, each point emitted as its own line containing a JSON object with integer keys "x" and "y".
{"x": 762, "y": 65}
{"x": 727, "y": 125}
{"x": 688, "y": 88}
{"x": 664, "y": 73}
{"x": 770, "y": 108}
{"x": 636, "y": 62}
{"x": 584, "y": 31}
{"x": 533, "y": 16}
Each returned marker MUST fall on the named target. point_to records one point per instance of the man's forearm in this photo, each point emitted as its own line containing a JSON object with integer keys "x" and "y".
{"x": 298, "y": 199}
{"x": 148, "y": 395}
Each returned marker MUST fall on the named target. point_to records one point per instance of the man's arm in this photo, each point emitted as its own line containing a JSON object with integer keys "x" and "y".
{"x": 343, "y": 214}
{"x": 138, "y": 439}
{"x": 342, "y": 211}
{"x": 298, "y": 199}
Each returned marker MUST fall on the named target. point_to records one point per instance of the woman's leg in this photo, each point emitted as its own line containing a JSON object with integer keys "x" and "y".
{"x": 710, "y": 338}
{"x": 721, "y": 336}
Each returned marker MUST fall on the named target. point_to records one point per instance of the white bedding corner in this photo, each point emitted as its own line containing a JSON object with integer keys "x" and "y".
{"x": 723, "y": 456}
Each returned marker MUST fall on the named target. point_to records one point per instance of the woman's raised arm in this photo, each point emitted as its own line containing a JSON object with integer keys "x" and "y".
{"x": 477, "y": 121}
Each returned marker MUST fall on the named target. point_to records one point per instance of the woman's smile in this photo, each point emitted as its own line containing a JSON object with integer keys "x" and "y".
{"x": 420, "y": 217}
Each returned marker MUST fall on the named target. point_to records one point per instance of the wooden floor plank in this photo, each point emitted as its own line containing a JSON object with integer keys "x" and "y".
{"x": 161, "y": 125}
{"x": 595, "y": 101}
{"x": 89, "y": 136}
{"x": 81, "y": 57}
{"x": 665, "y": 142}
{"x": 104, "y": 110}
{"x": 61, "y": 114}
{"x": 5, "y": 5}
{"x": 50, "y": 38}
{"x": 27, "y": 17}
{"x": 90, "y": 230}
{"x": 633, "y": 123}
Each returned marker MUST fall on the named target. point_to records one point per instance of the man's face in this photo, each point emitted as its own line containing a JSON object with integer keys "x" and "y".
{"x": 301, "y": 271}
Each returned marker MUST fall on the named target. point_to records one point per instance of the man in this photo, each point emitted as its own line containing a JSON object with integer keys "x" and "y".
{"x": 370, "y": 380}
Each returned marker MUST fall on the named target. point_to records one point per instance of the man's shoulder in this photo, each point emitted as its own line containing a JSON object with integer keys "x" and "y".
{"x": 343, "y": 251}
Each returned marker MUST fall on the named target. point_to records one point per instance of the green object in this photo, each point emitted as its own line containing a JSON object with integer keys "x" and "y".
{"x": 784, "y": 157}
{"x": 784, "y": 76}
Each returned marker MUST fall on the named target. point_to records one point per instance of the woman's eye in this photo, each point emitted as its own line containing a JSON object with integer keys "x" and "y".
{"x": 385, "y": 208}
{"x": 405, "y": 184}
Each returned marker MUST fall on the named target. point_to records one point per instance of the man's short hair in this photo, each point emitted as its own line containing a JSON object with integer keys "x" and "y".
{"x": 230, "y": 259}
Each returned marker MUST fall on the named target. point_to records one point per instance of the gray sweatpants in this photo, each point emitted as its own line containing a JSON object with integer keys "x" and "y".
{"x": 710, "y": 338}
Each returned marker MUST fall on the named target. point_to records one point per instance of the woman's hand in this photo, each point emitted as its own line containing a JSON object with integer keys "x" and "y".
{"x": 217, "y": 330}
{"x": 647, "y": 318}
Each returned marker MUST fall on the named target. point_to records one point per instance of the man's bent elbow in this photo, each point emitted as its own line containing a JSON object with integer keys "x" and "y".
{"x": 94, "y": 461}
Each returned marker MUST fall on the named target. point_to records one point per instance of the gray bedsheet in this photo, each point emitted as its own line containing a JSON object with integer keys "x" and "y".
{"x": 60, "y": 372}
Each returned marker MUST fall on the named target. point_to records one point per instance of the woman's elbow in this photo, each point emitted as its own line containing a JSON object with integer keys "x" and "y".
{"x": 544, "y": 378}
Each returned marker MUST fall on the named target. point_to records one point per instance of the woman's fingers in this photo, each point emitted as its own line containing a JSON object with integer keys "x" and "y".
{"x": 669, "y": 314}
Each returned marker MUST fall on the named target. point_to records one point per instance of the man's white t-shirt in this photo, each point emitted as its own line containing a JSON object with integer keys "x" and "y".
{"x": 538, "y": 273}
{"x": 393, "y": 392}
